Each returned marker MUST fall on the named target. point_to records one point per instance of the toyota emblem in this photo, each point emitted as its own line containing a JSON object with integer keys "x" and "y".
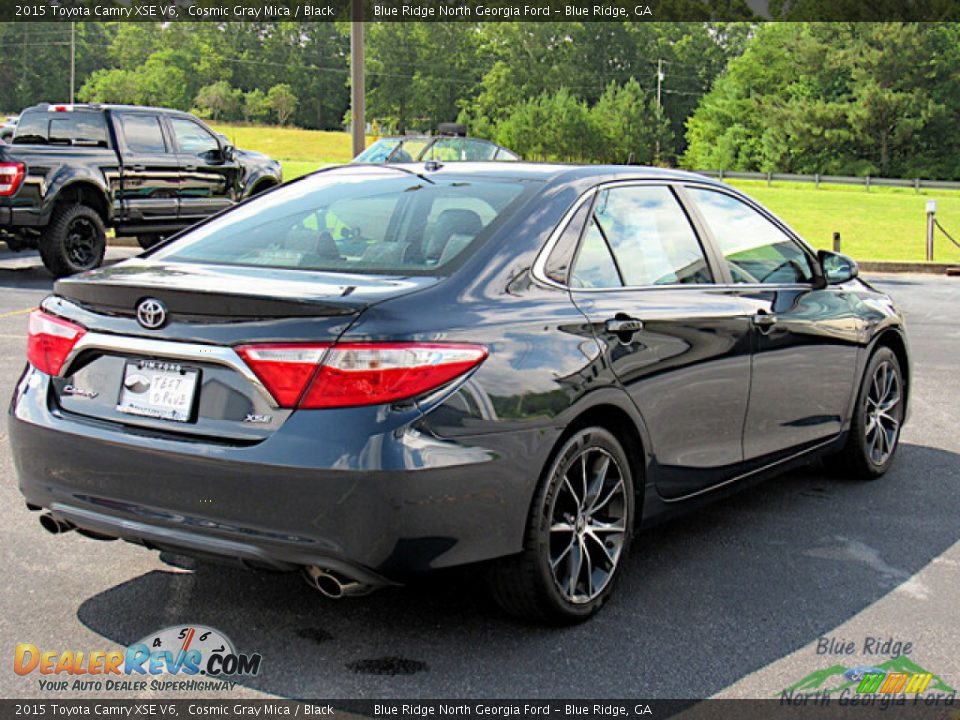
{"x": 151, "y": 313}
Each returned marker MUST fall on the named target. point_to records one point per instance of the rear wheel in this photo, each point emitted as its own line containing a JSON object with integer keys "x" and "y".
{"x": 578, "y": 534}
{"x": 875, "y": 428}
{"x": 75, "y": 240}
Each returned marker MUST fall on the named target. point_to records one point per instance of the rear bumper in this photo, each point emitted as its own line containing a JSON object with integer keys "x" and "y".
{"x": 13, "y": 218}
{"x": 372, "y": 502}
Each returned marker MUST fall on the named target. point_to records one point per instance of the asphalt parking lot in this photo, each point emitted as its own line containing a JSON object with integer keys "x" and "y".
{"x": 705, "y": 601}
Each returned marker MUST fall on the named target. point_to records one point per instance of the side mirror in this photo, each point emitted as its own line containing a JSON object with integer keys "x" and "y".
{"x": 837, "y": 268}
{"x": 228, "y": 153}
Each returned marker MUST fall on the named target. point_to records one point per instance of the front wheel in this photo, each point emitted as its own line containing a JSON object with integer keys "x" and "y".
{"x": 578, "y": 534}
{"x": 75, "y": 240}
{"x": 875, "y": 427}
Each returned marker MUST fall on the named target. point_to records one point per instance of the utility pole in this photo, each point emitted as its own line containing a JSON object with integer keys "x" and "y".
{"x": 73, "y": 59}
{"x": 357, "y": 99}
{"x": 659, "y": 107}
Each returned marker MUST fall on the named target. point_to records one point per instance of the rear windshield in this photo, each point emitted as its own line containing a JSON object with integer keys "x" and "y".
{"x": 62, "y": 128}
{"x": 390, "y": 223}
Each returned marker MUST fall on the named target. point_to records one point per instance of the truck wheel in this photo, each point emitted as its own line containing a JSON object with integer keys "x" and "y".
{"x": 148, "y": 241}
{"x": 74, "y": 241}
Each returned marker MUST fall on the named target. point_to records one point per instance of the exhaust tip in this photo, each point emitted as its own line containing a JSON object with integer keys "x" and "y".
{"x": 53, "y": 525}
{"x": 333, "y": 585}
{"x": 329, "y": 586}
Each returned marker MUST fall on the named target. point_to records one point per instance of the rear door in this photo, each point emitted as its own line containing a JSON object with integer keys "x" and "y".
{"x": 677, "y": 342}
{"x": 208, "y": 180}
{"x": 805, "y": 339}
{"x": 150, "y": 174}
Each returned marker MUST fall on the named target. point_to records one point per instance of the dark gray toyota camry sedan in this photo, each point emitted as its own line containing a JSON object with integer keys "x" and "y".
{"x": 376, "y": 371}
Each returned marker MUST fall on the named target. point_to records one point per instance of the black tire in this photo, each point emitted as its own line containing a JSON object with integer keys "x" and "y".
{"x": 148, "y": 241}
{"x": 529, "y": 584}
{"x": 75, "y": 240}
{"x": 859, "y": 457}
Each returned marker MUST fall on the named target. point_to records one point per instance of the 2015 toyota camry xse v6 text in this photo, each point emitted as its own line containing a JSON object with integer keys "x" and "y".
{"x": 375, "y": 371}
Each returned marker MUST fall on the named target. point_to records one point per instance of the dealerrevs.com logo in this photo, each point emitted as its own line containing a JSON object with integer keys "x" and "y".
{"x": 183, "y": 657}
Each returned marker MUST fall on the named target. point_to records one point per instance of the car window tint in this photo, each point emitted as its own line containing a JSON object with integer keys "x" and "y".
{"x": 32, "y": 129}
{"x": 353, "y": 220}
{"x": 194, "y": 140}
{"x": 142, "y": 133}
{"x": 756, "y": 250}
{"x": 650, "y": 236}
{"x": 594, "y": 266}
{"x": 453, "y": 149}
{"x": 557, "y": 266}
{"x": 77, "y": 128}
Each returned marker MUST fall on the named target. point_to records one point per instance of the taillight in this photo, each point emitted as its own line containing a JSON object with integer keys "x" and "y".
{"x": 50, "y": 340}
{"x": 351, "y": 374}
{"x": 11, "y": 175}
{"x": 284, "y": 370}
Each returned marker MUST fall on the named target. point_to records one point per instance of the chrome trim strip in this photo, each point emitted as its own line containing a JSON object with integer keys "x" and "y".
{"x": 211, "y": 354}
{"x": 745, "y": 475}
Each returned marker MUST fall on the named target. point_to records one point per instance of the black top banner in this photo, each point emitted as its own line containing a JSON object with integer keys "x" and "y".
{"x": 477, "y": 10}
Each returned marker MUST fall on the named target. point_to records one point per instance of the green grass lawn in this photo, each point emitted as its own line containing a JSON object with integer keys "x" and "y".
{"x": 883, "y": 224}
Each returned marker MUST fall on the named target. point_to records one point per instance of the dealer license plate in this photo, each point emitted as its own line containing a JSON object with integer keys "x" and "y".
{"x": 156, "y": 389}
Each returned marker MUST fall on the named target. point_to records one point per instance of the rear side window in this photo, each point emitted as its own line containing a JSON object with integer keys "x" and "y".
{"x": 756, "y": 250}
{"x": 142, "y": 133}
{"x": 350, "y": 221}
{"x": 639, "y": 236}
{"x": 62, "y": 128}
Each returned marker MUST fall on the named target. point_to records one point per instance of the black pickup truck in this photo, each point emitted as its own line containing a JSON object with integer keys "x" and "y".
{"x": 72, "y": 171}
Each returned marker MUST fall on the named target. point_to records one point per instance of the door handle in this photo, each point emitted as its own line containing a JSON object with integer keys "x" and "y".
{"x": 623, "y": 325}
{"x": 189, "y": 168}
{"x": 138, "y": 168}
{"x": 764, "y": 320}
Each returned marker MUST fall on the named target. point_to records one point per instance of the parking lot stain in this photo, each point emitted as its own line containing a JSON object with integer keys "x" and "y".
{"x": 387, "y": 666}
{"x": 317, "y": 635}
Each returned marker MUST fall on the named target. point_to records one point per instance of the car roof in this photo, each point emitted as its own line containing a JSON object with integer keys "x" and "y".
{"x": 554, "y": 172}
{"x": 46, "y": 107}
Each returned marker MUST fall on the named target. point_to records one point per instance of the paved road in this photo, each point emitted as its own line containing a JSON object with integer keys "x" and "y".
{"x": 706, "y": 600}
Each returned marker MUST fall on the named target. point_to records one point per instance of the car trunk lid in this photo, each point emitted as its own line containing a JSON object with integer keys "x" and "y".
{"x": 185, "y": 377}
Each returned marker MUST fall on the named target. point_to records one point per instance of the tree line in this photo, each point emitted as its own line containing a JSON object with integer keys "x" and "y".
{"x": 833, "y": 98}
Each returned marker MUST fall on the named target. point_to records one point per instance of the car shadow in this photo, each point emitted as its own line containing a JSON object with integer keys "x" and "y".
{"x": 704, "y": 600}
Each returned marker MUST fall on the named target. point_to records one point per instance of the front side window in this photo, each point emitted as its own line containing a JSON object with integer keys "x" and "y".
{"x": 355, "y": 221}
{"x": 756, "y": 250}
{"x": 194, "y": 140}
{"x": 641, "y": 234}
{"x": 142, "y": 133}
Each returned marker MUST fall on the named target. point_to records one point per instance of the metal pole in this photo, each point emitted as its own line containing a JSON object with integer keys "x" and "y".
{"x": 931, "y": 216}
{"x": 357, "y": 109}
{"x": 73, "y": 59}
{"x": 659, "y": 106}
{"x": 836, "y": 242}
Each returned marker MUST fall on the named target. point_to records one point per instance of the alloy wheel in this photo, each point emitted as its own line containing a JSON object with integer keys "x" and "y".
{"x": 80, "y": 243}
{"x": 882, "y": 426}
{"x": 588, "y": 525}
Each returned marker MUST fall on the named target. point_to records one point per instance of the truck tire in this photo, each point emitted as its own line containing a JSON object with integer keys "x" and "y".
{"x": 75, "y": 240}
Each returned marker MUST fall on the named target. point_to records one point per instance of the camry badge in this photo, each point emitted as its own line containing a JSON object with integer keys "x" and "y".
{"x": 151, "y": 313}
{"x": 79, "y": 392}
